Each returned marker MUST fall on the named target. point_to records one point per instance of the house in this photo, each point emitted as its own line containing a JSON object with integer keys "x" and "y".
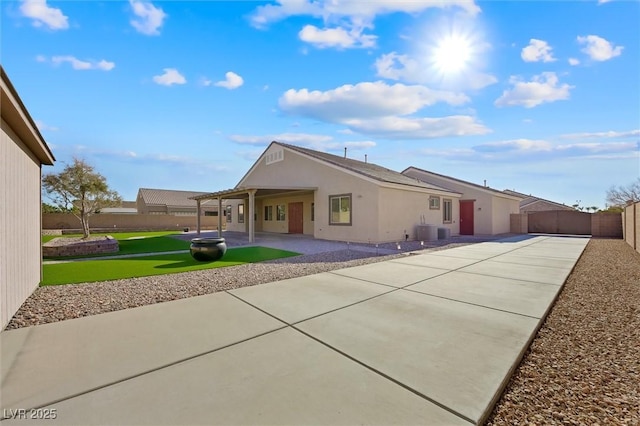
{"x": 531, "y": 204}
{"x": 171, "y": 202}
{"x": 23, "y": 152}
{"x": 483, "y": 210}
{"x": 296, "y": 190}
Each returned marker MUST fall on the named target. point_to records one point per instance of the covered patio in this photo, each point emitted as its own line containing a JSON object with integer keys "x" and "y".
{"x": 250, "y": 194}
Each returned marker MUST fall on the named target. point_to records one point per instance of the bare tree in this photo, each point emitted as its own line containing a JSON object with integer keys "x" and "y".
{"x": 81, "y": 189}
{"x": 622, "y": 195}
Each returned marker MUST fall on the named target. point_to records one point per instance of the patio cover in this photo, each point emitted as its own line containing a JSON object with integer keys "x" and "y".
{"x": 243, "y": 193}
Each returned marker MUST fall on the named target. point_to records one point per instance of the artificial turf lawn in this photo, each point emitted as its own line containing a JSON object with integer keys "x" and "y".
{"x": 135, "y": 242}
{"x": 113, "y": 269}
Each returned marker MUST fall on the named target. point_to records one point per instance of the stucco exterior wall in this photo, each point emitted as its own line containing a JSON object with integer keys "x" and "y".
{"x": 129, "y": 222}
{"x": 20, "y": 248}
{"x": 295, "y": 170}
{"x": 492, "y": 212}
{"x": 502, "y": 209}
{"x": 404, "y": 209}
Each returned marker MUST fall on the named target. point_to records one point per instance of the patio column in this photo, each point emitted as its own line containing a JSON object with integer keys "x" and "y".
{"x": 219, "y": 217}
{"x": 252, "y": 207}
{"x": 198, "y": 216}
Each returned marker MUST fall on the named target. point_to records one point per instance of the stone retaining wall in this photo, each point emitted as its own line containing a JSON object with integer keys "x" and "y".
{"x": 106, "y": 245}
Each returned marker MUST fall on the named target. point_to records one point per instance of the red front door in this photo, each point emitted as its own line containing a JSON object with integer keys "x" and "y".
{"x": 466, "y": 217}
{"x": 295, "y": 218}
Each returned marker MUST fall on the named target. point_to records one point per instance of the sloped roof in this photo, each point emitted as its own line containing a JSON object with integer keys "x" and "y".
{"x": 168, "y": 197}
{"x": 464, "y": 182}
{"x": 370, "y": 170}
{"x": 528, "y": 200}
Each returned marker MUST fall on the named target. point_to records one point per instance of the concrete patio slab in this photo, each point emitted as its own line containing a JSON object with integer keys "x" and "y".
{"x": 521, "y": 297}
{"x": 551, "y": 262}
{"x": 392, "y": 274}
{"x": 516, "y": 271}
{"x": 283, "y": 378}
{"x": 49, "y": 362}
{"x": 297, "y": 299}
{"x": 433, "y": 261}
{"x": 453, "y": 353}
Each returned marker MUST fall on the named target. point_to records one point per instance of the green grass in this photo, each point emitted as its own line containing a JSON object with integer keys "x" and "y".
{"x": 113, "y": 269}
{"x": 135, "y": 242}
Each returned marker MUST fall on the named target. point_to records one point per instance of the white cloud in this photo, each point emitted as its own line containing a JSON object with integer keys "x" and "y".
{"x": 598, "y": 48}
{"x": 543, "y": 88}
{"x": 394, "y": 66}
{"x": 78, "y": 64}
{"x": 364, "y": 100}
{"x": 603, "y": 1}
{"x": 171, "y": 76}
{"x": 395, "y": 127}
{"x": 536, "y": 51}
{"x": 574, "y": 61}
{"x": 309, "y": 140}
{"x": 353, "y": 10}
{"x": 336, "y": 37}
{"x": 45, "y": 127}
{"x": 42, "y": 14}
{"x": 231, "y": 81}
{"x": 149, "y": 18}
{"x": 600, "y": 135}
{"x": 521, "y": 145}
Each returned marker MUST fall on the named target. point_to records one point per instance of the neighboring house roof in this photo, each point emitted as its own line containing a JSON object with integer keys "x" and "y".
{"x": 492, "y": 191}
{"x": 18, "y": 118}
{"x": 367, "y": 169}
{"x": 530, "y": 202}
{"x": 168, "y": 197}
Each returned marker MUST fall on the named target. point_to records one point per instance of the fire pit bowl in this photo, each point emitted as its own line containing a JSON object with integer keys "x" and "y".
{"x": 208, "y": 249}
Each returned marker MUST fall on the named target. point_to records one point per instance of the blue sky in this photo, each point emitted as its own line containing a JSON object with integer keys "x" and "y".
{"x": 542, "y": 97}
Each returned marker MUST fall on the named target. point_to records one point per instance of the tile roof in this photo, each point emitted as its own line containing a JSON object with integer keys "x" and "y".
{"x": 168, "y": 197}
{"x": 370, "y": 170}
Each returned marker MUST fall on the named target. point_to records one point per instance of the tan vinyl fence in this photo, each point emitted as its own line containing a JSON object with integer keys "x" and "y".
{"x": 603, "y": 224}
{"x": 128, "y": 222}
{"x": 631, "y": 225}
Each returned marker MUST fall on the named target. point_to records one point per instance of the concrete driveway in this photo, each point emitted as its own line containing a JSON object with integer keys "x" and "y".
{"x": 423, "y": 339}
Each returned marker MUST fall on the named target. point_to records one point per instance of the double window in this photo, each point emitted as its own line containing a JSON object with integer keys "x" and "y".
{"x": 280, "y": 216}
{"x": 228, "y": 213}
{"x": 268, "y": 212}
{"x": 340, "y": 209}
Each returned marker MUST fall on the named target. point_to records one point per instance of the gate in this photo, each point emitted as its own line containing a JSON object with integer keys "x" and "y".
{"x": 560, "y": 222}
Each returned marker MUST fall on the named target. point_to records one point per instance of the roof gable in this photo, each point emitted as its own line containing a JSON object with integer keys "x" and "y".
{"x": 529, "y": 200}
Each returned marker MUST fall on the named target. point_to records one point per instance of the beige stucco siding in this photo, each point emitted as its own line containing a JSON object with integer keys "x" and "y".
{"x": 20, "y": 223}
{"x": 502, "y": 210}
{"x": 492, "y": 211}
{"x": 296, "y": 170}
{"x": 402, "y": 210}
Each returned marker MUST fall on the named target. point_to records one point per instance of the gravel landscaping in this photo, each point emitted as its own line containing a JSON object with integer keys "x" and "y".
{"x": 583, "y": 367}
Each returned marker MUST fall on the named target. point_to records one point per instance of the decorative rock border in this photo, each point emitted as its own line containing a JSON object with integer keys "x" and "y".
{"x": 62, "y": 247}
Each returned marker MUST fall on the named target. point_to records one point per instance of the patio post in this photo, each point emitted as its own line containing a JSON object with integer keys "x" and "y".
{"x": 252, "y": 206}
{"x": 198, "y": 216}
{"x": 219, "y": 217}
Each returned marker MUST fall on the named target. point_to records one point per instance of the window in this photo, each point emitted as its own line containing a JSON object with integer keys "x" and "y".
{"x": 210, "y": 213}
{"x": 446, "y": 212}
{"x": 280, "y": 212}
{"x": 340, "y": 209}
{"x": 240, "y": 213}
{"x": 434, "y": 203}
{"x": 228, "y": 212}
{"x": 268, "y": 212}
{"x": 313, "y": 212}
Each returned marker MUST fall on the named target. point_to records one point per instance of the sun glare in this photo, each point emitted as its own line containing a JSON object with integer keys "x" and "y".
{"x": 452, "y": 53}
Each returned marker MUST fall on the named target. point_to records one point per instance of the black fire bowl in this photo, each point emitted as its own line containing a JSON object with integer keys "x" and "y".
{"x": 208, "y": 249}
